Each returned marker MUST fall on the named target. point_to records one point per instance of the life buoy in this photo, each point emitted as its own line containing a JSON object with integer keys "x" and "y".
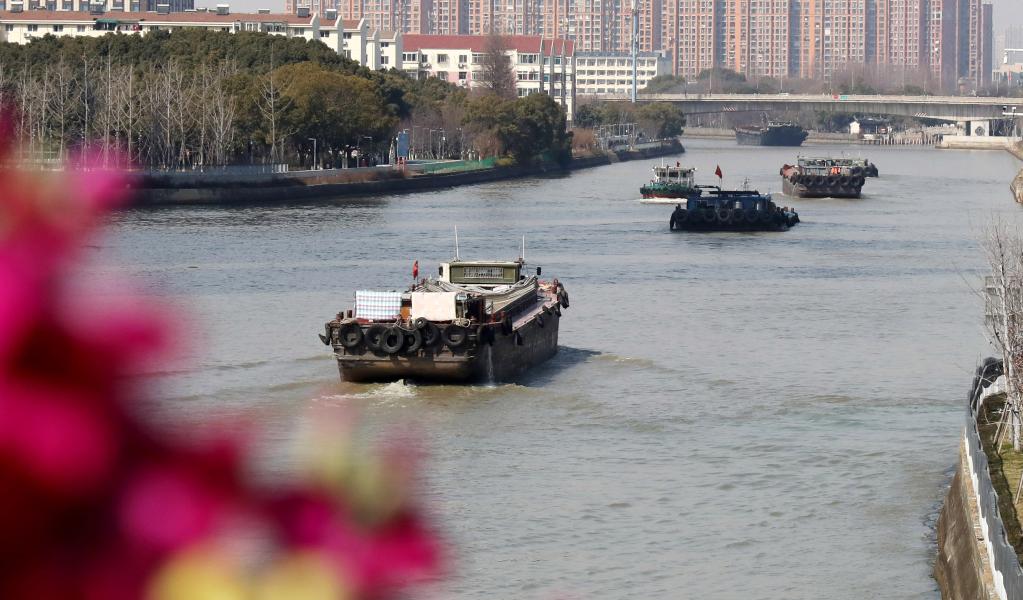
{"x": 413, "y": 340}
{"x": 455, "y": 336}
{"x": 392, "y": 340}
{"x": 349, "y": 334}
{"x": 431, "y": 335}
{"x": 373, "y": 334}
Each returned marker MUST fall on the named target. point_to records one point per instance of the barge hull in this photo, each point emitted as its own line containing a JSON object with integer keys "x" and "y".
{"x": 505, "y": 358}
{"x": 799, "y": 190}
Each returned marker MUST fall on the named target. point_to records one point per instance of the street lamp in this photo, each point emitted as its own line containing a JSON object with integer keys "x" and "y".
{"x": 313, "y": 140}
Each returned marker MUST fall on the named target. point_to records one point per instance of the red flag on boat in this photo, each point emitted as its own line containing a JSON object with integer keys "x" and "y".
{"x": 717, "y": 172}
{"x": 415, "y": 270}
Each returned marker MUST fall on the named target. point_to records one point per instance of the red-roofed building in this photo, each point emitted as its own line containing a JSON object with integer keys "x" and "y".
{"x": 539, "y": 65}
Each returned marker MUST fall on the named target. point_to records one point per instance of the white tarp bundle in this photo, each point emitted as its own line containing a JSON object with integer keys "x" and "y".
{"x": 435, "y": 306}
{"x": 379, "y": 306}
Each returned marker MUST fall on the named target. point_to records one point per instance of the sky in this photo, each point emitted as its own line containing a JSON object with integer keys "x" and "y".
{"x": 1007, "y": 12}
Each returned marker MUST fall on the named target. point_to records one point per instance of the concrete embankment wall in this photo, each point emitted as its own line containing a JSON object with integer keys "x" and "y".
{"x": 1016, "y": 187}
{"x": 975, "y": 559}
{"x": 282, "y": 188}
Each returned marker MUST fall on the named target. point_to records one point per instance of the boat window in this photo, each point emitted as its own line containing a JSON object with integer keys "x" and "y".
{"x": 483, "y": 272}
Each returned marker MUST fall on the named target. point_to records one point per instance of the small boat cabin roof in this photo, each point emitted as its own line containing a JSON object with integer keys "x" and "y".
{"x": 481, "y": 272}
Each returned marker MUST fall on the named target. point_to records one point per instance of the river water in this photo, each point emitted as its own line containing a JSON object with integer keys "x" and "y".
{"x": 769, "y": 415}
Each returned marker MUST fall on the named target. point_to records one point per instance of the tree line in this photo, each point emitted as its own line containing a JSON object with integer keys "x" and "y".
{"x": 195, "y": 98}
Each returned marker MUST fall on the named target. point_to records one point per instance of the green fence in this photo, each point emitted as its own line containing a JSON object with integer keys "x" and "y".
{"x": 455, "y": 166}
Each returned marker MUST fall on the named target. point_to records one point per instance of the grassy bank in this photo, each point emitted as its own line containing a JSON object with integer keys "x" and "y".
{"x": 1006, "y": 466}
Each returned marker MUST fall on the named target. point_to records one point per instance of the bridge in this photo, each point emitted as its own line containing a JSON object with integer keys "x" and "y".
{"x": 945, "y": 108}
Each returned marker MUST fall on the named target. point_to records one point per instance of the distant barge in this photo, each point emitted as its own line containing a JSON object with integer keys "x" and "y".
{"x": 772, "y": 134}
{"x": 477, "y": 321}
{"x": 821, "y": 178}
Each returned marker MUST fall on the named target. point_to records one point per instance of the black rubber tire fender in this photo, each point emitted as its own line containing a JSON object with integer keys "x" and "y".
{"x": 392, "y": 340}
{"x": 413, "y": 340}
{"x": 671, "y": 222}
{"x": 539, "y": 321}
{"x": 708, "y": 216}
{"x": 455, "y": 336}
{"x": 485, "y": 335}
{"x": 562, "y": 297}
{"x": 420, "y": 322}
{"x": 506, "y": 325}
{"x": 373, "y": 334}
{"x": 857, "y": 182}
{"x": 723, "y": 215}
{"x": 843, "y": 181}
{"x": 349, "y": 335}
{"x": 557, "y": 310}
{"x": 431, "y": 335}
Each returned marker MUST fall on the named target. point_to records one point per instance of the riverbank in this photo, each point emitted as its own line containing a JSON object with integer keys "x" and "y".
{"x": 814, "y": 136}
{"x": 198, "y": 188}
{"x": 978, "y": 520}
{"x": 1016, "y": 187}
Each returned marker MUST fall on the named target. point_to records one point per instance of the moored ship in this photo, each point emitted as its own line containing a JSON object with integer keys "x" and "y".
{"x": 821, "y": 178}
{"x": 671, "y": 182}
{"x": 772, "y": 134}
{"x": 477, "y": 321}
{"x": 732, "y": 210}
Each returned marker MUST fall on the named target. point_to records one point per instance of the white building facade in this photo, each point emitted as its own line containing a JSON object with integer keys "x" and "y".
{"x": 348, "y": 38}
{"x": 539, "y": 65}
{"x": 610, "y": 74}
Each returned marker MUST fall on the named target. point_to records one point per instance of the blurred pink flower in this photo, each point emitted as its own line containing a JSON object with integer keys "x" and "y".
{"x": 94, "y": 505}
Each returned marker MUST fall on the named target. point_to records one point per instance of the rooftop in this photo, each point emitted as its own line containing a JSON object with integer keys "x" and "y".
{"x": 151, "y": 17}
{"x": 479, "y": 43}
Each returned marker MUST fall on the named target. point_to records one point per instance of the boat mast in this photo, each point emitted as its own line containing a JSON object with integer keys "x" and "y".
{"x": 456, "y": 243}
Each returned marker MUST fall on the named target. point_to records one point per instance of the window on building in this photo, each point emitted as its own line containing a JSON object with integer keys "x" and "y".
{"x": 462, "y": 75}
{"x": 324, "y": 34}
{"x": 442, "y": 59}
{"x": 299, "y": 31}
{"x": 33, "y": 27}
{"x": 462, "y": 59}
{"x": 8, "y": 27}
{"x": 410, "y": 56}
{"x": 385, "y": 45}
{"x": 348, "y": 35}
{"x": 477, "y": 58}
{"x": 385, "y": 60}
{"x": 348, "y": 53}
{"x": 58, "y": 28}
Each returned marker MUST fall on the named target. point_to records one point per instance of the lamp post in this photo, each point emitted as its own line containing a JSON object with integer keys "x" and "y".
{"x": 313, "y": 140}
{"x": 365, "y": 137}
{"x": 1010, "y": 111}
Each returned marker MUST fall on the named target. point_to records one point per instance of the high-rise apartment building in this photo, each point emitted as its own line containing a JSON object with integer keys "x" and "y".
{"x": 756, "y": 37}
{"x": 900, "y": 34}
{"x": 689, "y": 33}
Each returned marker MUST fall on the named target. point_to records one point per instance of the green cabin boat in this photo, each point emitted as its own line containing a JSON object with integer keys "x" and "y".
{"x": 672, "y": 182}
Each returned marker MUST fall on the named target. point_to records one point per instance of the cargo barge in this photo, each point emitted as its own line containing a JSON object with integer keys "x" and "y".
{"x": 772, "y": 134}
{"x": 732, "y": 210}
{"x": 821, "y": 178}
{"x": 477, "y": 321}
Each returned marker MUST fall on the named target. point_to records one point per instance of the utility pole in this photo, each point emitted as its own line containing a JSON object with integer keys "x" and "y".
{"x": 635, "y": 48}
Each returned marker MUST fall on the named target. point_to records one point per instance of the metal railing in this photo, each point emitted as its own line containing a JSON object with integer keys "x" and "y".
{"x": 1008, "y": 574}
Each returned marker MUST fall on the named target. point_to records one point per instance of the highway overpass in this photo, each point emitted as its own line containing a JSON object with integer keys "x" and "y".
{"x": 945, "y": 108}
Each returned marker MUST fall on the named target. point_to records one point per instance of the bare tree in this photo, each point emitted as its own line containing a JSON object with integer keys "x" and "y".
{"x": 496, "y": 71}
{"x": 1004, "y": 300}
{"x": 273, "y": 102}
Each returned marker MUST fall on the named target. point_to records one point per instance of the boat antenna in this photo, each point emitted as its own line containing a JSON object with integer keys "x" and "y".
{"x": 522, "y": 255}
{"x": 456, "y": 243}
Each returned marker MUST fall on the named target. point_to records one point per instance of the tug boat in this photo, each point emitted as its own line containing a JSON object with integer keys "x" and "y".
{"x": 732, "y": 210}
{"x": 671, "y": 182}
{"x": 774, "y": 133}
{"x": 477, "y": 321}
{"x": 822, "y": 178}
